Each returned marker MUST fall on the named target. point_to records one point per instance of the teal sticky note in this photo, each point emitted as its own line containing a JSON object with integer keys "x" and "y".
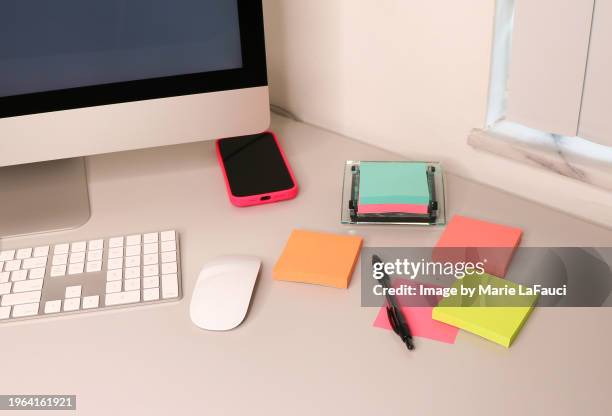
{"x": 393, "y": 183}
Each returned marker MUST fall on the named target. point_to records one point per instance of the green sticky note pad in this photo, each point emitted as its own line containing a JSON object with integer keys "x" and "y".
{"x": 393, "y": 183}
{"x": 496, "y": 317}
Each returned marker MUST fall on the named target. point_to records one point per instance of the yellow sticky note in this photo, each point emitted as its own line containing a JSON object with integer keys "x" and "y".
{"x": 490, "y": 313}
{"x": 318, "y": 258}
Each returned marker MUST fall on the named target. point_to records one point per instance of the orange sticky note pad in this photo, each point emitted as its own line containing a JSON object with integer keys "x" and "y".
{"x": 318, "y": 258}
{"x": 468, "y": 239}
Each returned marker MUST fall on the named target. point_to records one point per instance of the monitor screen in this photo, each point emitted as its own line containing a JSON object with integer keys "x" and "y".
{"x": 64, "y": 44}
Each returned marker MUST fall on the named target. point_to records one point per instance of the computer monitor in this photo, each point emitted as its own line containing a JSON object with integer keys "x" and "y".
{"x": 81, "y": 78}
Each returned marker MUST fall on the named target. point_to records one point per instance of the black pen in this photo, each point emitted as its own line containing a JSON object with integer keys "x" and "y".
{"x": 394, "y": 312}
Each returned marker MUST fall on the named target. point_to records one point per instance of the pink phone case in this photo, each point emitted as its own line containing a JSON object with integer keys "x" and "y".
{"x": 267, "y": 198}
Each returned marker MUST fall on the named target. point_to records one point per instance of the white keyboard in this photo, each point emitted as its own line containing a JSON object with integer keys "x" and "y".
{"x": 89, "y": 275}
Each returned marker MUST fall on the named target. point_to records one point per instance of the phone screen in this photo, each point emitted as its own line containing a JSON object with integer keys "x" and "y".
{"x": 254, "y": 165}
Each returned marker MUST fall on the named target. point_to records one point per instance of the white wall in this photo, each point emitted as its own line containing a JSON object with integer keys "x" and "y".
{"x": 407, "y": 75}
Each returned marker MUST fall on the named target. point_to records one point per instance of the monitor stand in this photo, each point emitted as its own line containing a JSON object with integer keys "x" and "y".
{"x": 43, "y": 197}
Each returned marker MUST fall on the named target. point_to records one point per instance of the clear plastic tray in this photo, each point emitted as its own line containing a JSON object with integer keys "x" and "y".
{"x": 350, "y": 192}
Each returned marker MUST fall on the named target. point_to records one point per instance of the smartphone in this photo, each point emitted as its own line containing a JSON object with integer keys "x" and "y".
{"x": 256, "y": 170}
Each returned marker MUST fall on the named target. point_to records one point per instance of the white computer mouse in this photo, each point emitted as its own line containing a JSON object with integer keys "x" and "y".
{"x": 222, "y": 294}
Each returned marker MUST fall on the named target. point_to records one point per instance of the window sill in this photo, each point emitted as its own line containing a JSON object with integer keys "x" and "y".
{"x": 574, "y": 158}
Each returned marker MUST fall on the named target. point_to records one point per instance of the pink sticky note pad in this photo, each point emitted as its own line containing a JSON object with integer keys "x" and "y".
{"x": 470, "y": 240}
{"x": 385, "y": 208}
{"x": 420, "y": 323}
{"x": 418, "y": 318}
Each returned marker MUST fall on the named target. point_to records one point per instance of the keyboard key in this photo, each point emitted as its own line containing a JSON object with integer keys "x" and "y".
{"x": 152, "y": 270}
{"x": 1, "y": 265}
{"x": 5, "y": 288}
{"x": 24, "y": 253}
{"x": 5, "y": 312}
{"x": 12, "y": 265}
{"x": 76, "y": 268}
{"x": 27, "y": 286}
{"x": 77, "y": 257}
{"x": 19, "y": 275}
{"x": 132, "y": 272}
{"x": 7, "y": 255}
{"x": 149, "y": 259}
{"x": 131, "y": 284}
{"x": 115, "y": 263}
{"x": 132, "y": 251}
{"x": 168, "y": 235}
{"x": 95, "y": 245}
{"x": 122, "y": 298}
{"x": 115, "y": 253}
{"x": 78, "y": 247}
{"x": 151, "y": 281}
{"x": 20, "y": 298}
{"x": 169, "y": 268}
{"x": 57, "y": 271}
{"x": 94, "y": 266}
{"x": 115, "y": 242}
{"x": 114, "y": 275}
{"x": 133, "y": 261}
{"x": 150, "y": 238}
{"x": 113, "y": 287}
{"x": 150, "y": 248}
{"x": 59, "y": 259}
{"x": 42, "y": 251}
{"x": 37, "y": 273}
{"x": 61, "y": 249}
{"x": 91, "y": 302}
{"x": 72, "y": 304}
{"x": 34, "y": 262}
{"x": 20, "y": 311}
{"x": 168, "y": 246}
{"x": 168, "y": 256}
{"x": 150, "y": 294}
{"x": 53, "y": 306}
{"x": 4, "y": 277}
{"x": 132, "y": 240}
{"x": 169, "y": 286}
{"x": 94, "y": 255}
{"x": 73, "y": 291}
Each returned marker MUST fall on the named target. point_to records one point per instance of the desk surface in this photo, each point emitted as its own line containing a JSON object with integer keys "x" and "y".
{"x": 303, "y": 350}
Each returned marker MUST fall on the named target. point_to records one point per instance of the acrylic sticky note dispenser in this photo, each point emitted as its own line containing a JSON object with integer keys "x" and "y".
{"x": 381, "y": 192}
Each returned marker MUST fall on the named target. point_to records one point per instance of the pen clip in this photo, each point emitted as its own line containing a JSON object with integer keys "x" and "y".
{"x": 393, "y": 320}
